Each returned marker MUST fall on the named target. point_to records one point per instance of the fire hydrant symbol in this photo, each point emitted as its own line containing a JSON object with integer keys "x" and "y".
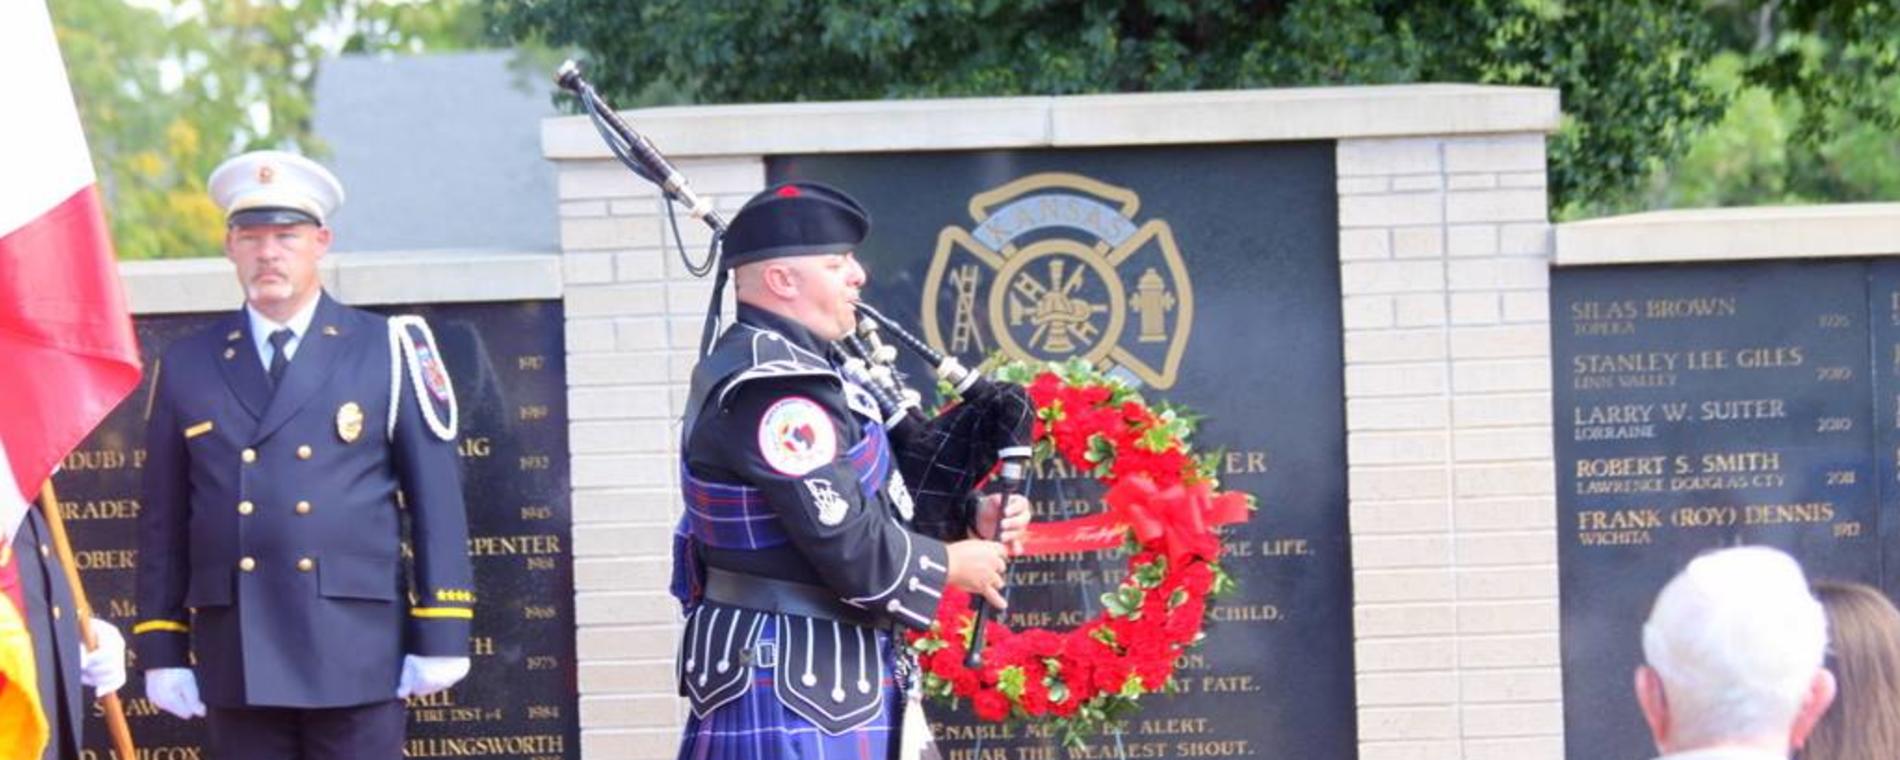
{"x": 1152, "y": 303}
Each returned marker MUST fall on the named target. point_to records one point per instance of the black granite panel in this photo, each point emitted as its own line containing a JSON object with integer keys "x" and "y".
{"x": 1210, "y": 275}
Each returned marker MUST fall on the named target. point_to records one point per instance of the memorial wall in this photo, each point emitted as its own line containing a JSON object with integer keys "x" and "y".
{"x": 1349, "y": 282}
{"x": 509, "y": 372}
{"x": 1699, "y": 406}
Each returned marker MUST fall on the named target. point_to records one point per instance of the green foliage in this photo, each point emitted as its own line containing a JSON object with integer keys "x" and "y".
{"x": 165, "y": 95}
{"x": 1627, "y": 69}
{"x": 1761, "y": 152}
{"x": 1839, "y": 57}
{"x": 1632, "y": 73}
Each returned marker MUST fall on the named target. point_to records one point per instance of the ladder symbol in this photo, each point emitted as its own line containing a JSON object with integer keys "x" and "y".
{"x": 963, "y": 331}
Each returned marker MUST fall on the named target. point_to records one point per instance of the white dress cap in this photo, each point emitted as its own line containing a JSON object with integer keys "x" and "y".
{"x": 274, "y": 187}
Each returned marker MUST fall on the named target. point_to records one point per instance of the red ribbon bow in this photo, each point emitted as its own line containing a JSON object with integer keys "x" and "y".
{"x": 1181, "y": 516}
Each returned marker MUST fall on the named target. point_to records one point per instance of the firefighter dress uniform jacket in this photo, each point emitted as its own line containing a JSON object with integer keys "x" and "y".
{"x": 270, "y": 537}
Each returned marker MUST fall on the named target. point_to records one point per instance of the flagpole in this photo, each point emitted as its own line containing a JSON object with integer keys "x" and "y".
{"x": 114, "y": 712}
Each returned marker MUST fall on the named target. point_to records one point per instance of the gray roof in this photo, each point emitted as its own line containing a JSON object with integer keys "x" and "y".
{"x": 438, "y": 151}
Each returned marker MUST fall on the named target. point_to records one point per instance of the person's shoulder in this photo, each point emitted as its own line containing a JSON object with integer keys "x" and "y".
{"x": 752, "y": 360}
{"x": 210, "y": 341}
{"x": 775, "y": 398}
{"x": 346, "y": 316}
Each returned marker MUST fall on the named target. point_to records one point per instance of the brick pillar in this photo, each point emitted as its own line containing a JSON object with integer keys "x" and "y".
{"x": 1444, "y": 255}
{"x": 633, "y": 323}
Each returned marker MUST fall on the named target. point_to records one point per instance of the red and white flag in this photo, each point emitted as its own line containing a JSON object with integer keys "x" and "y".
{"x": 67, "y": 351}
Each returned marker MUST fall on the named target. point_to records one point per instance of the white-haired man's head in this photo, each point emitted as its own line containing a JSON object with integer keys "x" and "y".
{"x": 1734, "y": 646}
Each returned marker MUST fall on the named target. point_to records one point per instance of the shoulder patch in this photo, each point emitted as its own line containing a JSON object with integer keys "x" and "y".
{"x": 796, "y": 436}
{"x": 434, "y": 377}
{"x": 412, "y": 348}
{"x": 831, "y": 507}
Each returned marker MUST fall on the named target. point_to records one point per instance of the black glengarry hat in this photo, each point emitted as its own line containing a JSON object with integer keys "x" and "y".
{"x": 794, "y": 219}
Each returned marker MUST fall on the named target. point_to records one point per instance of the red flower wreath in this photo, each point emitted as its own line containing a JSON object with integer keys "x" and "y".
{"x": 1163, "y": 505}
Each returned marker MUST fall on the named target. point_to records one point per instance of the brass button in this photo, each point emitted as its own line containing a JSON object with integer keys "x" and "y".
{"x": 247, "y": 564}
{"x": 245, "y": 507}
{"x": 250, "y": 455}
{"x": 303, "y": 507}
{"x": 303, "y": 452}
{"x": 306, "y": 564}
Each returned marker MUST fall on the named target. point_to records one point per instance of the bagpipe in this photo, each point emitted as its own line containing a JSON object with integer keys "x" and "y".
{"x": 983, "y": 435}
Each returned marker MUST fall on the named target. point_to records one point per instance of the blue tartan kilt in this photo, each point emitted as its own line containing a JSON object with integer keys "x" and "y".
{"x": 756, "y": 726}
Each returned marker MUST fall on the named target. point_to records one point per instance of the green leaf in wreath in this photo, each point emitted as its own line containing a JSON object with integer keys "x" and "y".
{"x": 1073, "y": 733}
{"x": 1155, "y": 439}
{"x": 1207, "y": 465}
{"x": 1132, "y": 687}
{"x": 1043, "y": 450}
{"x": 1010, "y": 681}
{"x": 1150, "y": 575}
{"x": 1223, "y": 583}
{"x": 1130, "y": 599}
{"x": 1020, "y": 373}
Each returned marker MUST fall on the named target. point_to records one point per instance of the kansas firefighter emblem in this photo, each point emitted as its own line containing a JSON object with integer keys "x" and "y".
{"x": 1056, "y": 266}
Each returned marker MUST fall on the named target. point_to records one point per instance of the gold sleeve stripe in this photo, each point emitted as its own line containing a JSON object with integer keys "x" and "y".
{"x": 442, "y": 612}
{"x": 160, "y": 625}
{"x": 197, "y": 430}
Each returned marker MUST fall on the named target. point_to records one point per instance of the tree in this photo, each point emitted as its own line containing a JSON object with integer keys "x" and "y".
{"x": 1815, "y": 101}
{"x": 165, "y": 97}
{"x": 1631, "y": 72}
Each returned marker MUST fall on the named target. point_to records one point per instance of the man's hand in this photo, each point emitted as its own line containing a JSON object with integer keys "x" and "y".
{"x": 174, "y": 690}
{"x": 1012, "y": 527}
{"x": 977, "y": 566}
{"x": 422, "y": 676}
{"x": 104, "y": 668}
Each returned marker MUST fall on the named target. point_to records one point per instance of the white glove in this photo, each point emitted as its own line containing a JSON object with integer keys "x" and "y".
{"x": 174, "y": 690}
{"x": 422, "y": 676}
{"x": 104, "y": 668}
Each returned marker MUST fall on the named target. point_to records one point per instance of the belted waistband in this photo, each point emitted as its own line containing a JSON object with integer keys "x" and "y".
{"x": 758, "y": 592}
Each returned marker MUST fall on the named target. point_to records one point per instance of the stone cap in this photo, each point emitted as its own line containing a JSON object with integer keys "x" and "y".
{"x": 1213, "y": 116}
{"x": 1732, "y": 234}
{"x": 178, "y": 286}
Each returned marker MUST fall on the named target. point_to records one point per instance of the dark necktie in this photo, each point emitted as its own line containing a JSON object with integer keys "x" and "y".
{"x": 278, "y": 361}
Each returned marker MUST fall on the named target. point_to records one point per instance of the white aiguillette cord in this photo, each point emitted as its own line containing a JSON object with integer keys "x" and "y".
{"x": 402, "y": 350}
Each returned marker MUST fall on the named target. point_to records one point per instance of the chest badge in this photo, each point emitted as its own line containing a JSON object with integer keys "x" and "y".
{"x": 349, "y": 422}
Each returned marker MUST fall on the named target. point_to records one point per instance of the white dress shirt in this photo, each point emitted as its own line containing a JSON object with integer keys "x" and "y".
{"x": 262, "y": 327}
